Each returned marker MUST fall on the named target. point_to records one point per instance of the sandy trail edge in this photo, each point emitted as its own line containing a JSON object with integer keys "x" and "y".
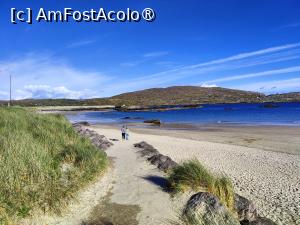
{"x": 270, "y": 179}
{"x": 80, "y": 208}
{"x": 130, "y": 181}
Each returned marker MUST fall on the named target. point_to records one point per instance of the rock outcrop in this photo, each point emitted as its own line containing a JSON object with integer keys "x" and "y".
{"x": 247, "y": 212}
{"x": 245, "y": 208}
{"x": 162, "y": 162}
{"x": 143, "y": 145}
{"x": 84, "y": 123}
{"x": 98, "y": 140}
{"x": 205, "y": 208}
{"x": 154, "y": 122}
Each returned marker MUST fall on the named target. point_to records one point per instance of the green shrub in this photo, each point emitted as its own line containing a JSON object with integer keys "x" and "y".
{"x": 43, "y": 162}
{"x": 192, "y": 175}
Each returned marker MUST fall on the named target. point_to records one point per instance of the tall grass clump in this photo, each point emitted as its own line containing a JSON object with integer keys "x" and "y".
{"x": 43, "y": 162}
{"x": 192, "y": 175}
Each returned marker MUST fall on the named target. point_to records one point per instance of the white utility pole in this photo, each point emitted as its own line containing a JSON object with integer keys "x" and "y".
{"x": 9, "y": 103}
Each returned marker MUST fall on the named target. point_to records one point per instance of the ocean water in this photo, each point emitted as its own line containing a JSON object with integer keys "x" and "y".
{"x": 233, "y": 114}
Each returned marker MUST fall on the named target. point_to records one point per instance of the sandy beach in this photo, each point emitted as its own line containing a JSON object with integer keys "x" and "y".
{"x": 269, "y": 178}
{"x": 131, "y": 191}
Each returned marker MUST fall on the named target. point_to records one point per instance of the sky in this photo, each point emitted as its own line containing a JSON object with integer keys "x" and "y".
{"x": 250, "y": 45}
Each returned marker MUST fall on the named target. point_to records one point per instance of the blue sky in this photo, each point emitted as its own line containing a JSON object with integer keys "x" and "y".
{"x": 251, "y": 45}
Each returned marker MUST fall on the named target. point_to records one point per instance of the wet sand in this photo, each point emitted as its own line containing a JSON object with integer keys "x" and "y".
{"x": 284, "y": 139}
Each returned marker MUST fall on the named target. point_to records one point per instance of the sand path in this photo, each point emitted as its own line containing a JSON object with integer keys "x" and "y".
{"x": 130, "y": 193}
{"x": 270, "y": 179}
{"x": 136, "y": 182}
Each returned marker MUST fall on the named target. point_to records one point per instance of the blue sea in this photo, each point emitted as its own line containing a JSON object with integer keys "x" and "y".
{"x": 230, "y": 114}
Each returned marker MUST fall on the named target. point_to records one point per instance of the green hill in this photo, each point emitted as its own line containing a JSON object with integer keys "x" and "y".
{"x": 185, "y": 95}
{"x": 177, "y": 95}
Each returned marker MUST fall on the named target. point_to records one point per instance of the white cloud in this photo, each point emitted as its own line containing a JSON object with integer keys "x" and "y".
{"x": 247, "y": 55}
{"x": 46, "y": 91}
{"x": 49, "y": 73}
{"x": 270, "y": 55}
{"x": 36, "y": 75}
{"x": 259, "y": 74}
{"x": 276, "y": 86}
{"x": 208, "y": 85}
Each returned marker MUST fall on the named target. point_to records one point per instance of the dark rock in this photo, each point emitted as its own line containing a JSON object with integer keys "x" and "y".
{"x": 247, "y": 212}
{"x": 100, "y": 141}
{"x": 270, "y": 105}
{"x": 149, "y": 152}
{"x": 205, "y": 208}
{"x": 167, "y": 165}
{"x": 191, "y": 106}
{"x": 155, "y": 122}
{"x": 245, "y": 208}
{"x": 84, "y": 123}
{"x": 157, "y": 159}
{"x": 143, "y": 145}
{"x": 146, "y": 149}
{"x": 162, "y": 162}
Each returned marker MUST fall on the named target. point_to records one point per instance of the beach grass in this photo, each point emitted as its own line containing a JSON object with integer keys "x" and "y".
{"x": 43, "y": 162}
{"x": 192, "y": 175}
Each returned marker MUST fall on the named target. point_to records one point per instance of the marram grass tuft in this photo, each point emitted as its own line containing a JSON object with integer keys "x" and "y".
{"x": 43, "y": 162}
{"x": 192, "y": 175}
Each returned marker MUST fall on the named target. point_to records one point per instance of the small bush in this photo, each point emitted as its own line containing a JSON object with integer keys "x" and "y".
{"x": 192, "y": 175}
{"x": 43, "y": 162}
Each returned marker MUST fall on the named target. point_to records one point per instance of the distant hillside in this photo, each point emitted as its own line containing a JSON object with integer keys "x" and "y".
{"x": 288, "y": 97}
{"x": 58, "y": 102}
{"x": 177, "y": 95}
{"x": 186, "y": 95}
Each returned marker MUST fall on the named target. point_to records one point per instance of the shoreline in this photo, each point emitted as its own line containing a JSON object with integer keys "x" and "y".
{"x": 158, "y": 108}
{"x": 191, "y": 126}
{"x": 284, "y": 139}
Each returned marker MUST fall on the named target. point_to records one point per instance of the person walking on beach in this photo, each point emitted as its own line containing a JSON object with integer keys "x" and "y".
{"x": 126, "y": 133}
{"x": 123, "y": 131}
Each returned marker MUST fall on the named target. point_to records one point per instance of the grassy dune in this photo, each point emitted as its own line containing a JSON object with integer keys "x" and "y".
{"x": 193, "y": 175}
{"x": 43, "y": 162}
